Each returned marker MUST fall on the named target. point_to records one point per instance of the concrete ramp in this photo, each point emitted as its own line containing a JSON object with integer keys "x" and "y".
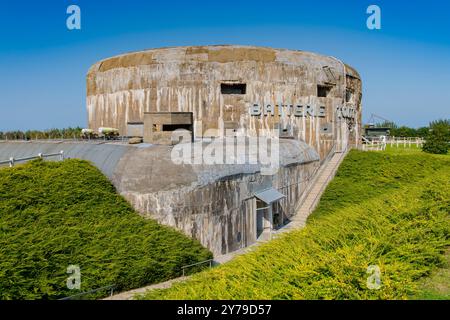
{"x": 323, "y": 178}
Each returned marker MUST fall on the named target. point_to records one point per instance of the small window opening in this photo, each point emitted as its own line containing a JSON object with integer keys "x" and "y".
{"x": 173, "y": 127}
{"x": 348, "y": 95}
{"x": 323, "y": 91}
{"x": 233, "y": 88}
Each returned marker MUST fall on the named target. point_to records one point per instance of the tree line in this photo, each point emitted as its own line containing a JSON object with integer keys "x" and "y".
{"x": 404, "y": 131}
{"x": 65, "y": 133}
{"x": 436, "y": 134}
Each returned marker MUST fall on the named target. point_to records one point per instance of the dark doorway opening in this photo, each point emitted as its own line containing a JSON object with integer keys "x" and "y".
{"x": 173, "y": 127}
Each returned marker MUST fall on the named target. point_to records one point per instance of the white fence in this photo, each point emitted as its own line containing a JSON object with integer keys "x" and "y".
{"x": 400, "y": 142}
{"x": 13, "y": 160}
{"x": 375, "y": 144}
{"x": 380, "y": 143}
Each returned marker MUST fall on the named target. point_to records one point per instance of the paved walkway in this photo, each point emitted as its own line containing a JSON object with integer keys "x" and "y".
{"x": 311, "y": 201}
{"x": 325, "y": 175}
{"x": 128, "y": 295}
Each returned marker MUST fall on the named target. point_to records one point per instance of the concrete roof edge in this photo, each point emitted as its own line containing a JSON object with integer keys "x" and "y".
{"x": 95, "y": 67}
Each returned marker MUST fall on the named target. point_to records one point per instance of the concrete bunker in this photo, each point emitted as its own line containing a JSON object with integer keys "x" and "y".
{"x": 159, "y": 127}
{"x": 310, "y": 102}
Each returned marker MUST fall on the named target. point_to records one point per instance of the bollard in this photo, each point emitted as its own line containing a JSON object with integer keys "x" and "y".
{"x": 11, "y": 162}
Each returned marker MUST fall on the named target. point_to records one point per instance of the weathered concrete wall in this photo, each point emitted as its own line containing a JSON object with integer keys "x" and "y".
{"x": 188, "y": 79}
{"x": 212, "y": 203}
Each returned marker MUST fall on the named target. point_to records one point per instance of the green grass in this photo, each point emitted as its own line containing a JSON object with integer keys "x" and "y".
{"x": 401, "y": 149}
{"x": 56, "y": 214}
{"x": 389, "y": 209}
{"x": 437, "y": 285}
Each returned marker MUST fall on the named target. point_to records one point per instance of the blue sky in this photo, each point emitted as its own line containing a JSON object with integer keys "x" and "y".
{"x": 405, "y": 66}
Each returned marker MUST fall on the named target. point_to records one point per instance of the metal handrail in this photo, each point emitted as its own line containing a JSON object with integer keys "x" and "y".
{"x": 65, "y": 139}
{"x": 315, "y": 175}
{"x": 111, "y": 287}
{"x": 13, "y": 160}
{"x": 183, "y": 268}
{"x": 329, "y": 178}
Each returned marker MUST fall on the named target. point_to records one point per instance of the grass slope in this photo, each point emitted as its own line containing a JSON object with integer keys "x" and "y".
{"x": 437, "y": 285}
{"x": 386, "y": 209}
{"x": 53, "y": 215}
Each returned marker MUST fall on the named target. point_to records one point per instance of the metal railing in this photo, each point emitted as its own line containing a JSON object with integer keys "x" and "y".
{"x": 13, "y": 160}
{"x": 327, "y": 181}
{"x": 82, "y": 294}
{"x": 315, "y": 175}
{"x": 113, "y": 287}
{"x": 39, "y": 137}
{"x": 210, "y": 261}
{"x": 65, "y": 139}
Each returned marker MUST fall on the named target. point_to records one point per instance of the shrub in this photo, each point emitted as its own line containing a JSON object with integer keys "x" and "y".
{"x": 384, "y": 209}
{"x": 438, "y": 139}
{"x": 56, "y": 214}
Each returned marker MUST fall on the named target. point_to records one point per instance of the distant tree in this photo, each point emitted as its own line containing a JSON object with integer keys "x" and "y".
{"x": 66, "y": 133}
{"x": 403, "y": 131}
{"x": 386, "y": 124}
{"x": 423, "y": 132}
{"x": 438, "y": 138}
